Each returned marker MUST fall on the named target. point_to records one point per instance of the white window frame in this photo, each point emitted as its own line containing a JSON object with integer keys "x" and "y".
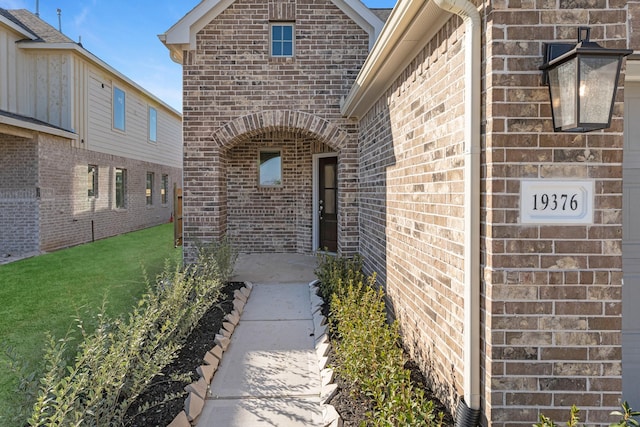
{"x": 124, "y": 188}
{"x": 293, "y": 39}
{"x": 115, "y": 112}
{"x": 153, "y": 124}
{"x": 92, "y": 181}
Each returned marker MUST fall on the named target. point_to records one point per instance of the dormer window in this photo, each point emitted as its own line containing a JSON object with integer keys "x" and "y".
{"x": 282, "y": 39}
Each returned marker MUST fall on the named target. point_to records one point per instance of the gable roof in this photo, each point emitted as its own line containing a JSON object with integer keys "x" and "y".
{"x": 12, "y": 22}
{"x": 43, "y": 31}
{"x": 182, "y": 35}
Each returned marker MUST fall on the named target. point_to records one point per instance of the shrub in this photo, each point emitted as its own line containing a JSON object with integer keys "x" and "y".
{"x": 334, "y": 271}
{"x": 115, "y": 363}
{"x": 368, "y": 355}
{"x": 626, "y": 418}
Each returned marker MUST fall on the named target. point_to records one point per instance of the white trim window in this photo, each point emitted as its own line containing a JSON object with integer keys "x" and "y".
{"x": 119, "y": 108}
{"x": 121, "y": 188}
{"x": 92, "y": 181}
{"x": 153, "y": 124}
{"x": 164, "y": 189}
{"x": 282, "y": 38}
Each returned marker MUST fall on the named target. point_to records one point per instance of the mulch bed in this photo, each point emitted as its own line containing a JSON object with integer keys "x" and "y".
{"x": 189, "y": 358}
{"x": 352, "y": 408}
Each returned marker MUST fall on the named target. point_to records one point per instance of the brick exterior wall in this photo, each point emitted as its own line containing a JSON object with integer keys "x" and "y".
{"x": 278, "y": 219}
{"x": 69, "y": 217}
{"x": 44, "y": 201}
{"x": 18, "y": 199}
{"x": 234, "y": 91}
{"x": 552, "y": 293}
{"x": 411, "y": 206}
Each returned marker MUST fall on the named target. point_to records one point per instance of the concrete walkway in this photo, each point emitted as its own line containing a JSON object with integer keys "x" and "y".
{"x": 269, "y": 375}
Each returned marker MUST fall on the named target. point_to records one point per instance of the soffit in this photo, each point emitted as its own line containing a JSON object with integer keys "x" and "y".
{"x": 409, "y": 28}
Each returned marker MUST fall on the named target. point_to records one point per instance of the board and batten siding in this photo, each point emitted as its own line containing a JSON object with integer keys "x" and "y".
{"x": 49, "y": 87}
{"x": 11, "y": 72}
{"x": 134, "y": 141}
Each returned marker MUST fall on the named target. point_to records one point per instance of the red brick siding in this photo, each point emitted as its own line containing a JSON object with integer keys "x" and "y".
{"x": 551, "y": 295}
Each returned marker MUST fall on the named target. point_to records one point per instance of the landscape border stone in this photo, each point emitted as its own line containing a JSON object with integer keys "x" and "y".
{"x": 199, "y": 390}
{"x": 330, "y": 416}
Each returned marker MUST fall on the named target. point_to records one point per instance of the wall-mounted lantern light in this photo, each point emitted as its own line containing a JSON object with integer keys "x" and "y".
{"x": 582, "y": 79}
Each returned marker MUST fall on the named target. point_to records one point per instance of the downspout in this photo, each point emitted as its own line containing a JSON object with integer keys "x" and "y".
{"x": 468, "y": 412}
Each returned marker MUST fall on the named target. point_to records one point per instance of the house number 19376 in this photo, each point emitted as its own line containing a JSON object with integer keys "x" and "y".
{"x": 555, "y": 201}
{"x": 545, "y": 201}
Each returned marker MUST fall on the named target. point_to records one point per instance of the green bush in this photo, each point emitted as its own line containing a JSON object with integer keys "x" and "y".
{"x": 115, "y": 363}
{"x": 334, "y": 271}
{"x": 368, "y": 355}
{"x": 626, "y": 418}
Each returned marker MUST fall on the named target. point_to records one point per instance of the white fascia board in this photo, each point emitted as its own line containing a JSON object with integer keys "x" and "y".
{"x": 363, "y": 16}
{"x": 74, "y": 47}
{"x": 182, "y": 35}
{"x": 17, "y": 28}
{"x": 25, "y": 129}
{"x": 409, "y": 28}
{"x": 632, "y": 73}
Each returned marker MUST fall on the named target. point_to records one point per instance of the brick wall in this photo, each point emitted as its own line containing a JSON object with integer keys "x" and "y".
{"x": 18, "y": 197}
{"x": 411, "y": 205}
{"x": 69, "y": 217}
{"x": 279, "y": 219}
{"x": 553, "y": 293}
{"x": 230, "y": 81}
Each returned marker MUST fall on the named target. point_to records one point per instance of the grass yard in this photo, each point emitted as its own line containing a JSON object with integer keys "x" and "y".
{"x": 48, "y": 292}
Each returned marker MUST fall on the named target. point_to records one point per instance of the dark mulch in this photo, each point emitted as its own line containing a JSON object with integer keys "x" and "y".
{"x": 189, "y": 358}
{"x": 351, "y": 407}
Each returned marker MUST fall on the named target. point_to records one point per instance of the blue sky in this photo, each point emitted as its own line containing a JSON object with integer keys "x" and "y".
{"x": 123, "y": 33}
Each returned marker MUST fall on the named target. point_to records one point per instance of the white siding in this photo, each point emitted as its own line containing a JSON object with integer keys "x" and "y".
{"x": 66, "y": 89}
{"x": 134, "y": 141}
{"x": 50, "y": 84}
{"x": 11, "y": 65}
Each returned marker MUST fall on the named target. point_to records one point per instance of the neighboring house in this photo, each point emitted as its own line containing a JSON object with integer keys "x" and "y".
{"x": 309, "y": 126}
{"x": 85, "y": 153}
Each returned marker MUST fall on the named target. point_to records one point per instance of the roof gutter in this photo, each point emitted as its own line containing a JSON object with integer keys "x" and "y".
{"x": 469, "y": 411}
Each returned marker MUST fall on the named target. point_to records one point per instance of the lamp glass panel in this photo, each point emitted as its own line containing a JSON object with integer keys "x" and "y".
{"x": 562, "y": 86}
{"x": 597, "y": 88}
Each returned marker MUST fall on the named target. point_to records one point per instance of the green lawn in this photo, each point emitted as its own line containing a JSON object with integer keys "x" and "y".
{"x": 46, "y": 293}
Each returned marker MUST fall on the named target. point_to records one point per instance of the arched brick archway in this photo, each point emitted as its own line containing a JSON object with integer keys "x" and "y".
{"x": 233, "y": 205}
{"x": 281, "y": 120}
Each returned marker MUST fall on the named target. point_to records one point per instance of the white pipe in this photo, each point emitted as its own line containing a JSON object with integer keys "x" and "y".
{"x": 472, "y": 150}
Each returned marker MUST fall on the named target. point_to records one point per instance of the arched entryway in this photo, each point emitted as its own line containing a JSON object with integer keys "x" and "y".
{"x": 275, "y": 193}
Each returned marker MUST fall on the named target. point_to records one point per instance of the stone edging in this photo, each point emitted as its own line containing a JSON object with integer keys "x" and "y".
{"x": 330, "y": 416}
{"x": 194, "y": 404}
